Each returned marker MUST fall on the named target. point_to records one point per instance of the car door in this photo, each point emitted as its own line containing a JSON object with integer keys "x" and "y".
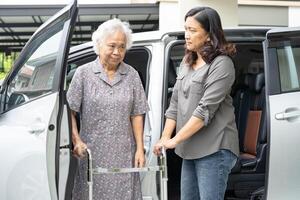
{"x": 34, "y": 123}
{"x": 282, "y": 67}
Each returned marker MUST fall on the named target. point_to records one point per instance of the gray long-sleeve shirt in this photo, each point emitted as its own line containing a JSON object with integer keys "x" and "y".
{"x": 205, "y": 93}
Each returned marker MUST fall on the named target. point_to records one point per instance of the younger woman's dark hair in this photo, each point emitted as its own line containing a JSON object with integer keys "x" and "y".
{"x": 210, "y": 21}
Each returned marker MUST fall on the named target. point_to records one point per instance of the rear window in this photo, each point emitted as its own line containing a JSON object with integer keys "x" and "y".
{"x": 289, "y": 68}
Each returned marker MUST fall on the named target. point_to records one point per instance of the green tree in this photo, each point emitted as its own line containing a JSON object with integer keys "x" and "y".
{"x": 6, "y": 62}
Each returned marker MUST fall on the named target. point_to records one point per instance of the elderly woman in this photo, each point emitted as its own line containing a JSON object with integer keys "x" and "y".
{"x": 111, "y": 101}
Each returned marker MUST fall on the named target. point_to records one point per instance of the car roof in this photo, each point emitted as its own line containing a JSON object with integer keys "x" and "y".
{"x": 286, "y": 33}
{"x": 233, "y": 33}
{"x": 283, "y": 29}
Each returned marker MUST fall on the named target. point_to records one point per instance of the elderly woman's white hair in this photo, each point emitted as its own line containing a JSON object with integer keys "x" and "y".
{"x": 109, "y": 27}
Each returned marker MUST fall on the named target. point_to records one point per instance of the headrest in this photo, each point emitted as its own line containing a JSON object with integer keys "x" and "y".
{"x": 255, "y": 82}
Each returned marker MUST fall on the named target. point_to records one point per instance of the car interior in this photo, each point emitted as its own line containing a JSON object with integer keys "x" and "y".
{"x": 136, "y": 57}
{"x": 247, "y": 178}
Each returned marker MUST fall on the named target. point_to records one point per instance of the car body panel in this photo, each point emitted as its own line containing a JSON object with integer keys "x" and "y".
{"x": 284, "y": 159}
{"x": 24, "y": 174}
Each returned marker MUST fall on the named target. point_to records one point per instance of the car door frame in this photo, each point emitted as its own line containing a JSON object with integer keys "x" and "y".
{"x": 274, "y": 39}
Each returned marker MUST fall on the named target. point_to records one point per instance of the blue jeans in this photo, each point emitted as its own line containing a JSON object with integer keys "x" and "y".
{"x": 206, "y": 178}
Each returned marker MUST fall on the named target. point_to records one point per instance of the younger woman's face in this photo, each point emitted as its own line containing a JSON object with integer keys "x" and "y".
{"x": 195, "y": 35}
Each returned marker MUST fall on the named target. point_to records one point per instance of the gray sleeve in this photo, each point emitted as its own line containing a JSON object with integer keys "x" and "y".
{"x": 171, "y": 112}
{"x": 140, "y": 104}
{"x": 75, "y": 91}
{"x": 218, "y": 85}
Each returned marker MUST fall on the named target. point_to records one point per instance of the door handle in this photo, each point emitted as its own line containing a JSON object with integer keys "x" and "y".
{"x": 287, "y": 115}
{"x": 37, "y": 126}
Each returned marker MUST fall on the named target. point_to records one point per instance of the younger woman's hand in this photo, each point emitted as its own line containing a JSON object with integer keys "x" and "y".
{"x": 171, "y": 143}
{"x": 159, "y": 145}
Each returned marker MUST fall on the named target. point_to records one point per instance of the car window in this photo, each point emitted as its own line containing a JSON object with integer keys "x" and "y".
{"x": 36, "y": 74}
{"x": 73, "y": 65}
{"x": 137, "y": 57}
{"x": 176, "y": 56}
{"x": 289, "y": 68}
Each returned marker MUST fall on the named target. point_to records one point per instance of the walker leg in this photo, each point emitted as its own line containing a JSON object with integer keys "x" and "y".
{"x": 90, "y": 190}
{"x": 90, "y": 173}
{"x": 163, "y": 176}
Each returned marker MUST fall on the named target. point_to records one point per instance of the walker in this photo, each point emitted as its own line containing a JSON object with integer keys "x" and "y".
{"x": 161, "y": 167}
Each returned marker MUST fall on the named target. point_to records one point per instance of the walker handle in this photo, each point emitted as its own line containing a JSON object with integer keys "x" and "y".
{"x": 89, "y": 159}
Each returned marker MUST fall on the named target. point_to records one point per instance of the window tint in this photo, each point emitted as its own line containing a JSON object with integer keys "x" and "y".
{"x": 73, "y": 65}
{"x": 36, "y": 75}
{"x": 289, "y": 68}
{"x": 176, "y": 56}
{"x": 138, "y": 58}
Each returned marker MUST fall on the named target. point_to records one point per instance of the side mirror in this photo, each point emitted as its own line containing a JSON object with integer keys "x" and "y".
{"x": 16, "y": 99}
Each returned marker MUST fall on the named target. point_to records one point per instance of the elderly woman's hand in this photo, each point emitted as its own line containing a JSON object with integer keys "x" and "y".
{"x": 139, "y": 159}
{"x": 79, "y": 148}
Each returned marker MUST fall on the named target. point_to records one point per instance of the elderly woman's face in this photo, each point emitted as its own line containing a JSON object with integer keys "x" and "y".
{"x": 113, "y": 49}
{"x": 195, "y": 35}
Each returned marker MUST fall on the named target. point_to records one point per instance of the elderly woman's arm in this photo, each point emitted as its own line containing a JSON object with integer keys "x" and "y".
{"x": 79, "y": 145}
{"x": 137, "y": 126}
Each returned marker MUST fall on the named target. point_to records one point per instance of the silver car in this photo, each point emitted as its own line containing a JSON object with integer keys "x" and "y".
{"x": 35, "y": 136}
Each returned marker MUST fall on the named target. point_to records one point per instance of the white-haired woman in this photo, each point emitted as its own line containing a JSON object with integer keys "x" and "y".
{"x": 111, "y": 101}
